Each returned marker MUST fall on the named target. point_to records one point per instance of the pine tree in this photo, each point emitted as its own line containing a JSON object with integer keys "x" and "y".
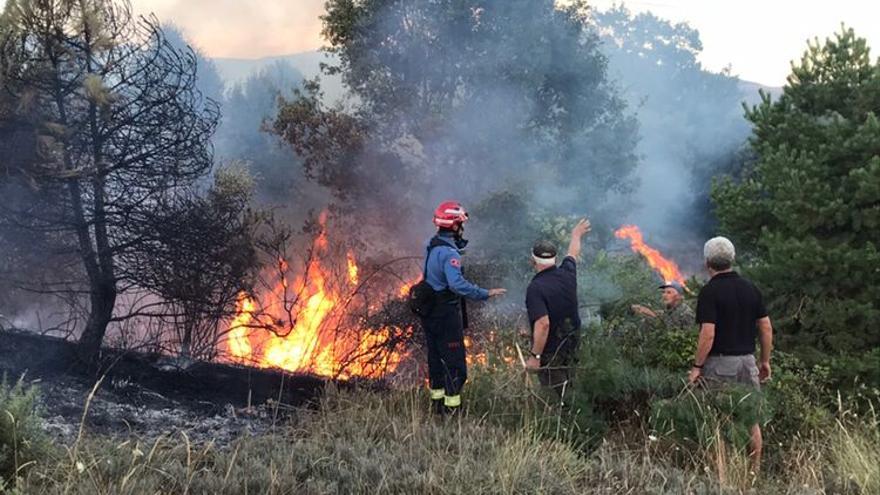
{"x": 806, "y": 217}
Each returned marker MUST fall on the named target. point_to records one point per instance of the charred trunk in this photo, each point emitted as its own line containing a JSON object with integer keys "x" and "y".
{"x": 102, "y": 299}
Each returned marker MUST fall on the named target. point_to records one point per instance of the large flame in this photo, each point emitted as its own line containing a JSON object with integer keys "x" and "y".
{"x": 306, "y": 326}
{"x": 667, "y": 269}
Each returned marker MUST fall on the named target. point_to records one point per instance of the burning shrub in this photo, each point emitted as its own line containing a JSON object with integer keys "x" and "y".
{"x": 22, "y": 441}
{"x": 317, "y": 313}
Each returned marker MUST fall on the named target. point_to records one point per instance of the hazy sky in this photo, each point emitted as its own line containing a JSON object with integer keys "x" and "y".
{"x": 757, "y": 38}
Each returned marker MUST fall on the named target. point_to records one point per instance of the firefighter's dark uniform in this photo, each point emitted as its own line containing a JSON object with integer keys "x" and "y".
{"x": 444, "y": 328}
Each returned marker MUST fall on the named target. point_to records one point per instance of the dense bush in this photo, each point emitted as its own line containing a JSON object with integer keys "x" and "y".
{"x": 699, "y": 417}
{"x": 22, "y": 440}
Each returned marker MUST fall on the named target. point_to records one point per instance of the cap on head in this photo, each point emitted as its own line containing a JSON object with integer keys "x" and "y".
{"x": 544, "y": 253}
{"x": 719, "y": 253}
{"x": 675, "y": 285}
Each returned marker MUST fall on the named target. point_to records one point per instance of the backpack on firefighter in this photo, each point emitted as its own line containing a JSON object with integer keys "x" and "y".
{"x": 422, "y": 297}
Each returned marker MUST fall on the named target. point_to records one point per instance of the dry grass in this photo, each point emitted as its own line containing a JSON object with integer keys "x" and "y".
{"x": 362, "y": 442}
{"x": 854, "y": 454}
{"x": 354, "y": 444}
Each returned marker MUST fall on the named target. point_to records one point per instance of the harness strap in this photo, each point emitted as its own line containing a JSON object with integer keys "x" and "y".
{"x": 435, "y": 242}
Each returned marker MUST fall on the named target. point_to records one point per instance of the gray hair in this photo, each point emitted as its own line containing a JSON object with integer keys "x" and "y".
{"x": 719, "y": 253}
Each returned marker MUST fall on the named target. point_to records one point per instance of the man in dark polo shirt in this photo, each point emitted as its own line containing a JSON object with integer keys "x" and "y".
{"x": 552, "y": 304}
{"x": 731, "y": 315}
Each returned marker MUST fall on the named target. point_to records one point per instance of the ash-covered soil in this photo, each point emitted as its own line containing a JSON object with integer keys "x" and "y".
{"x": 139, "y": 395}
{"x": 122, "y": 408}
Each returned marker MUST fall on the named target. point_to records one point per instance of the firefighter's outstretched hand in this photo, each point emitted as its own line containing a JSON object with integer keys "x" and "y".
{"x": 532, "y": 364}
{"x": 583, "y": 227}
{"x": 497, "y": 292}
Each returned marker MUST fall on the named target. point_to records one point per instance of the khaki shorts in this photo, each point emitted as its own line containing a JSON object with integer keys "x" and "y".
{"x": 731, "y": 369}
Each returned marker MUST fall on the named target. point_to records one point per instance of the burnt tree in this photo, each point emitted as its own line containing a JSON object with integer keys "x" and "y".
{"x": 203, "y": 253}
{"x": 119, "y": 125}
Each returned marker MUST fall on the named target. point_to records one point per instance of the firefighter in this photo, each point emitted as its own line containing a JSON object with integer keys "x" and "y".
{"x": 444, "y": 323}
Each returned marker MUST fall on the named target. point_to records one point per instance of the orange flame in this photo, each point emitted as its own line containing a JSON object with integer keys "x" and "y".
{"x": 308, "y": 331}
{"x": 352, "y": 269}
{"x": 404, "y": 289}
{"x": 490, "y": 344}
{"x": 239, "y": 345}
{"x": 667, "y": 269}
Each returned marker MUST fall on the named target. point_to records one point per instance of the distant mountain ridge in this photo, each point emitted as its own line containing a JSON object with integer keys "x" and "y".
{"x": 750, "y": 91}
{"x": 236, "y": 71}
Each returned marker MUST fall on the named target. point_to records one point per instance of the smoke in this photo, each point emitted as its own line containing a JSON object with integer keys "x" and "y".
{"x": 691, "y": 124}
{"x": 467, "y": 101}
{"x": 528, "y": 114}
{"x": 609, "y": 116}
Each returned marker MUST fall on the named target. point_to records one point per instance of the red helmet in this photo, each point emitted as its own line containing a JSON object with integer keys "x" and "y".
{"x": 450, "y": 213}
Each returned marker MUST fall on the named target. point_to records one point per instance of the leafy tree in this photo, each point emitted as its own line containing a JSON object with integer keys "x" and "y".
{"x": 456, "y": 97}
{"x": 120, "y": 124}
{"x": 806, "y": 217}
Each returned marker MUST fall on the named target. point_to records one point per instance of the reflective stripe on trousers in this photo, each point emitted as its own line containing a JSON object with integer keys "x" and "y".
{"x": 447, "y": 368}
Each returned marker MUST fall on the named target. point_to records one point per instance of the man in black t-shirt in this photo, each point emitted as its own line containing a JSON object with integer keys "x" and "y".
{"x": 731, "y": 315}
{"x": 551, "y": 301}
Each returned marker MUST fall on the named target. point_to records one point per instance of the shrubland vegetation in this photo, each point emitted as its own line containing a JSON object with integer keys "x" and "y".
{"x": 803, "y": 211}
{"x": 631, "y": 429}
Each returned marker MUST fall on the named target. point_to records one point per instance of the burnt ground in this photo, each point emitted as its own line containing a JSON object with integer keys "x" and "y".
{"x": 140, "y": 395}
